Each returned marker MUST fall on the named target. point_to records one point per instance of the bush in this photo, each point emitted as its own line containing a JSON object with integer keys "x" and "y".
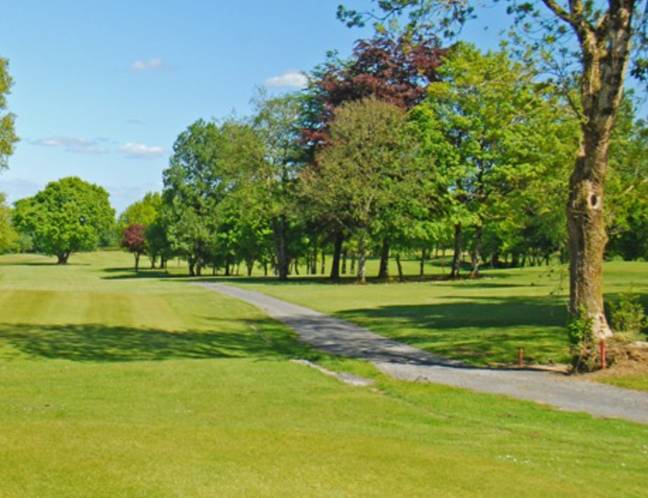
{"x": 627, "y": 316}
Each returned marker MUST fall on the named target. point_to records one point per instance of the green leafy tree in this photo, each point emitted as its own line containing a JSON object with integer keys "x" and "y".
{"x": 278, "y": 122}
{"x": 492, "y": 131}
{"x": 69, "y": 215}
{"x": 584, "y": 44}
{"x": 147, "y": 213}
{"x": 367, "y": 173}
{"x": 9, "y": 239}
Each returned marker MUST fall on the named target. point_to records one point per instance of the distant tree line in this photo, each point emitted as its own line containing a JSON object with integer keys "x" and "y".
{"x": 403, "y": 150}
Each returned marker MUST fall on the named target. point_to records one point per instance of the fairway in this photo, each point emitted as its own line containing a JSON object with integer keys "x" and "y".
{"x": 120, "y": 386}
{"x": 481, "y": 322}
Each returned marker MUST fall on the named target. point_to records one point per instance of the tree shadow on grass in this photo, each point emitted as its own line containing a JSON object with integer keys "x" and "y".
{"x": 41, "y": 263}
{"x": 476, "y": 329}
{"x": 264, "y": 340}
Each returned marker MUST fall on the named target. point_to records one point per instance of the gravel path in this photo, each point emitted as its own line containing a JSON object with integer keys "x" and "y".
{"x": 408, "y": 363}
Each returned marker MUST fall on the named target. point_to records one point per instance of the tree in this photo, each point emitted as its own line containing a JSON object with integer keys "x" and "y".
{"x": 192, "y": 187}
{"x": 603, "y": 37}
{"x": 278, "y": 123}
{"x": 8, "y": 136}
{"x": 368, "y": 170}
{"x": 69, "y": 215}
{"x": 492, "y": 131}
{"x": 627, "y": 216}
{"x": 212, "y": 163}
{"x": 146, "y": 213}
{"x": 134, "y": 241}
{"x": 9, "y": 239}
{"x": 143, "y": 212}
{"x": 395, "y": 70}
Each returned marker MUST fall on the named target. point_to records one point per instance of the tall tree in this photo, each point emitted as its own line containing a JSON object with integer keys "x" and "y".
{"x": 597, "y": 36}
{"x": 491, "y": 131}
{"x": 8, "y": 235}
{"x": 369, "y": 168}
{"x": 69, "y": 215}
{"x": 278, "y": 122}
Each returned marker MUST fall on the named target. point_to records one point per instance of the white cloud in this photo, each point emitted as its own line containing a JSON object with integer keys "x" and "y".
{"x": 141, "y": 151}
{"x": 292, "y": 79}
{"x": 147, "y": 65}
{"x": 72, "y": 144}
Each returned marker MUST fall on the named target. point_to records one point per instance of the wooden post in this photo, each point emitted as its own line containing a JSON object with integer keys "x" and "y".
{"x": 521, "y": 357}
{"x": 603, "y": 354}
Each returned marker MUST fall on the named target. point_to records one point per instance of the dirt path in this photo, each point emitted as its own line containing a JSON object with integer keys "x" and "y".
{"x": 408, "y": 363}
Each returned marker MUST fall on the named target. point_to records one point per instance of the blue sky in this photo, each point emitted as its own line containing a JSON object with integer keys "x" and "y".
{"x": 102, "y": 89}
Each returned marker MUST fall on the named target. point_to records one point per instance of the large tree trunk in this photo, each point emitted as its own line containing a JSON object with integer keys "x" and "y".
{"x": 605, "y": 51}
{"x": 587, "y": 239}
{"x": 337, "y": 254}
{"x": 62, "y": 258}
{"x": 456, "y": 257}
{"x": 383, "y": 272}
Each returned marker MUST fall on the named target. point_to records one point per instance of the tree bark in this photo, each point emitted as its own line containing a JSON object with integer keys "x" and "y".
{"x": 137, "y": 261}
{"x": 422, "y": 263}
{"x": 283, "y": 262}
{"x": 456, "y": 257}
{"x": 337, "y": 253}
{"x": 62, "y": 258}
{"x": 249, "y": 263}
{"x": 344, "y": 262}
{"x": 383, "y": 272}
{"x": 401, "y": 277}
{"x": 605, "y": 50}
{"x": 476, "y": 252}
{"x": 362, "y": 261}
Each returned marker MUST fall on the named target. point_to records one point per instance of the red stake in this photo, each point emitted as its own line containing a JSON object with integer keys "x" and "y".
{"x": 603, "y": 354}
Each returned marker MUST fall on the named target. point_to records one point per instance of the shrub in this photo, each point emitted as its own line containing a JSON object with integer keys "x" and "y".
{"x": 627, "y": 316}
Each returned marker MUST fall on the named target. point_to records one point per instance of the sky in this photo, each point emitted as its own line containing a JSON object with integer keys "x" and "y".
{"x": 102, "y": 89}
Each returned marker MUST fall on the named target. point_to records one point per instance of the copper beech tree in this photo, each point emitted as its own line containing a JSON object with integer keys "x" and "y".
{"x": 590, "y": 45}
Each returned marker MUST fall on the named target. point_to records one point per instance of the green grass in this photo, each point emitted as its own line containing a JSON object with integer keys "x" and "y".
{"x": 147, "y": 387}
{"x": 638, "y": 381}
{"x": 483, "y": 322}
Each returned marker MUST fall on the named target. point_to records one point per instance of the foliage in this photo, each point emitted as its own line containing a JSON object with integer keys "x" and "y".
{"x": 9, "y": 239}
{"x": 501, "y": 143}
{"x": 143, "y": 212}
{"x": 627, "y": 316}
{"x": 134, "y": 241}
{"x": 69, "y": 215}
{"x": 370, "y": 172}
{"x": 8, "y": 136}
{"x": 395, "y": 70}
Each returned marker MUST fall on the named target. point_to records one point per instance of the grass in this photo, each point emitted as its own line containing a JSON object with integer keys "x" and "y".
{"x": 482, "y": 322}
{"x": 150, "y": 387}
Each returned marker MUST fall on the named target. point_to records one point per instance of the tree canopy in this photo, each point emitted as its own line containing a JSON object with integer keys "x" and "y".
{"x": 67, "y": 216}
